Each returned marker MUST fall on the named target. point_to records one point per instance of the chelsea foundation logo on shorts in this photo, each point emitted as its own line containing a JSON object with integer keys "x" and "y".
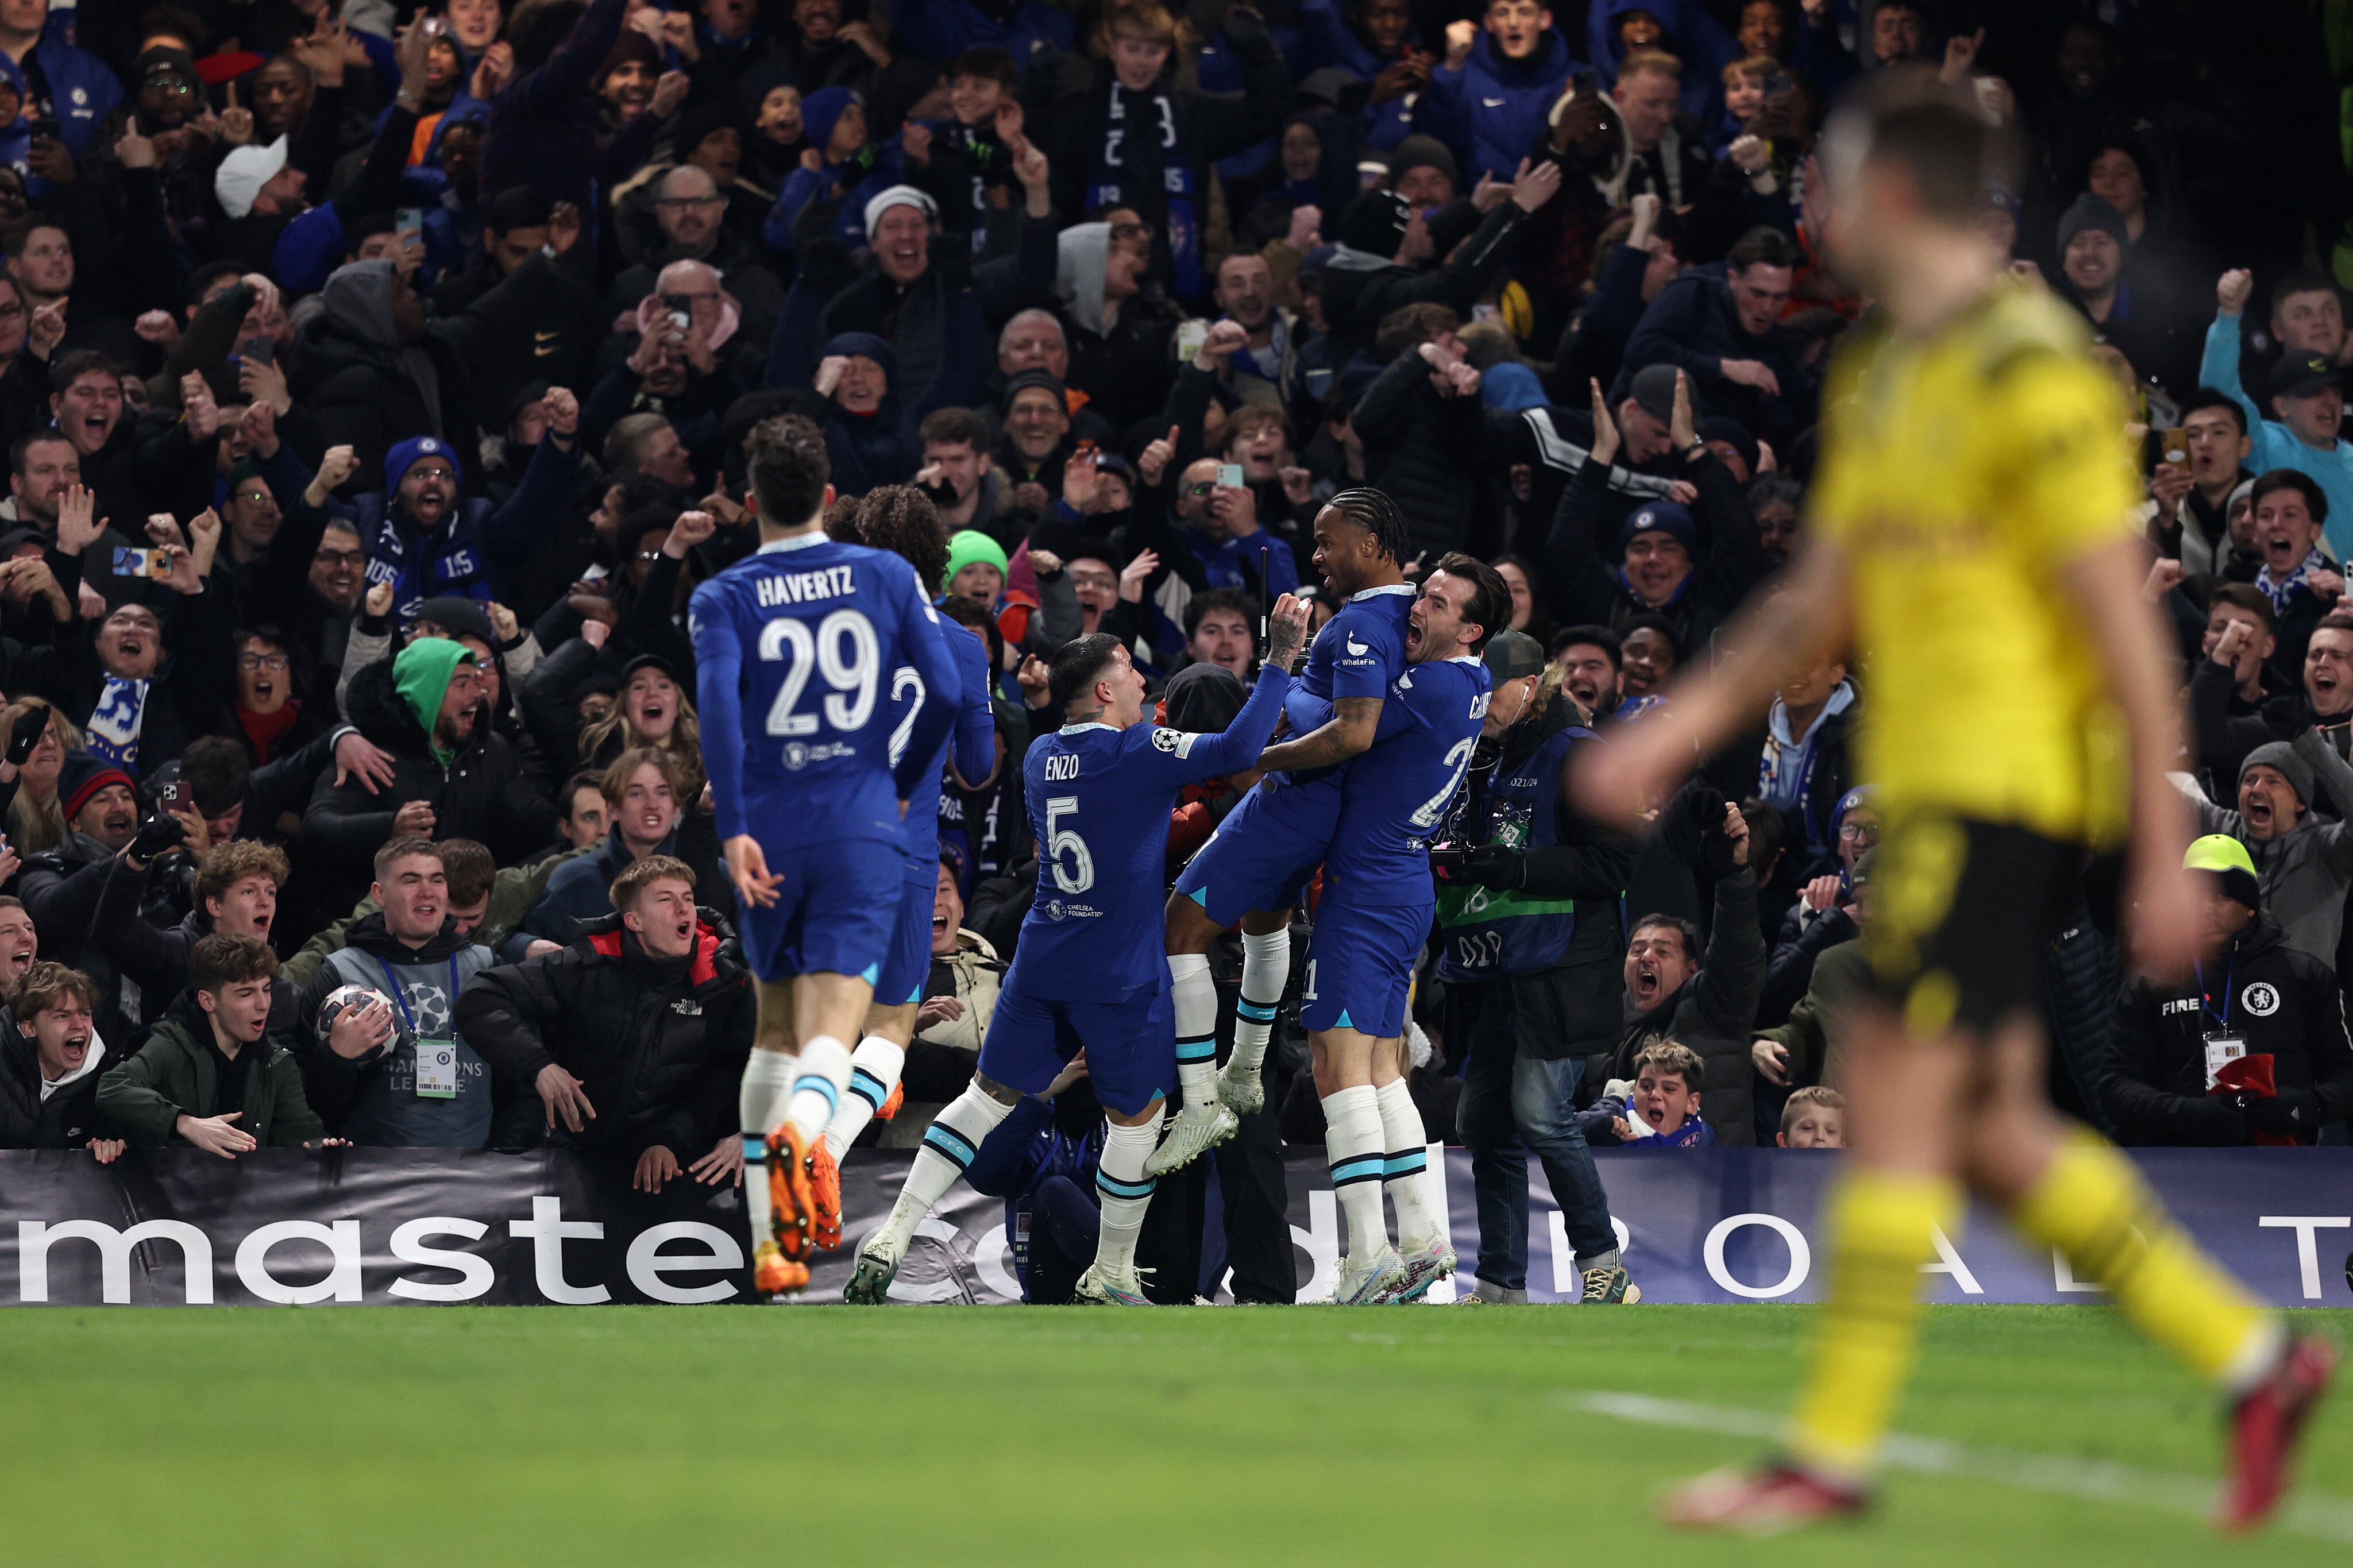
{"x": 1053, "y": 908}
{"x": 2262, "y": 999}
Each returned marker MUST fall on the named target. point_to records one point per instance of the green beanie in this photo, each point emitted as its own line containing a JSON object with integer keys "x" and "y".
{"x": 967, "y": 547}
{"x": 2223, "y": 856}
{"x": 421, "y": 675}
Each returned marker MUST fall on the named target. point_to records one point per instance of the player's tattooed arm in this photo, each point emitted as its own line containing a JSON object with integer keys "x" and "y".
{"x": 1347, "y": 734}
{"x": 1286, "y": 633}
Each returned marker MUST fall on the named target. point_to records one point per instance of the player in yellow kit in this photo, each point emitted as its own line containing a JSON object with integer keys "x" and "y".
{"x": 1970, "y": 539}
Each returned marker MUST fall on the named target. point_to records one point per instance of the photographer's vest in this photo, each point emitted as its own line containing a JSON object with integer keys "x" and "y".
{"x": 1490, "y": 933}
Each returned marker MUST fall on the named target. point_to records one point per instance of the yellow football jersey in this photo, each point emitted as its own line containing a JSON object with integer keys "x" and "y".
{"x": 1959, "y": 475}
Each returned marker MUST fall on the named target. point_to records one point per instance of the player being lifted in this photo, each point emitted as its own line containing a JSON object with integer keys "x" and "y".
{"x": 898, "y": 518}
{"x": 1258, "y": 864}
{"x": 1377, "y": 905}
{"x": 1971, "y": 539}
{"x": 1088, "y": 973}
{"x": 803, "y": 637}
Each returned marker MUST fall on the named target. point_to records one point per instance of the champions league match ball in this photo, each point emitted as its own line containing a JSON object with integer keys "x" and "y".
{"x": 343, "y": 998}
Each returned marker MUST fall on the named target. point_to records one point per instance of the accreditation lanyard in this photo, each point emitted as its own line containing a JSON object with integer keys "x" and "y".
{"x": 2222, "y": 1047}
{"x": 437, "y": 1058}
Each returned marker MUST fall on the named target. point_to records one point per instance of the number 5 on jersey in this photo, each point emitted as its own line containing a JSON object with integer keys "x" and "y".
{"x": 1078, "y": 874}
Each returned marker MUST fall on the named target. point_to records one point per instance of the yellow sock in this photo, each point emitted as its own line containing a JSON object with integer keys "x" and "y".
{"x": 2092, "y": 1206}
{"x": 1880, "y": 1226}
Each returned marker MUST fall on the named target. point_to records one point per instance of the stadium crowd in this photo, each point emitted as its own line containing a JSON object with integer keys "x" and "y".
{"x": 376, "y": 385}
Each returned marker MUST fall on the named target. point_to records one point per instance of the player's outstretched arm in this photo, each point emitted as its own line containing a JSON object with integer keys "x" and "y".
{"x": 2104, "y": 582}
{"x": 1213, "y": 756}
{"x": 1618, "y": 778}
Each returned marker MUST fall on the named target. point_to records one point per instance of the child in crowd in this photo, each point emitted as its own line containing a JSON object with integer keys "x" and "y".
{"x": 1660, "y": 1108}
{"x": 1814, "y": 1117}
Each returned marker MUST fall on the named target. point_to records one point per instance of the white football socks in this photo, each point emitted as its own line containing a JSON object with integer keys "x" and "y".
{"x": 1125, "y": 1192}
{"x": 1266, "y": 969}
{"x": 1195, "y": 996}
{"x": 1353, "y": 1143}
{"x": 1406, "y": 1174}
{"x": 767, "y": 1078}
{"x": 817, "y": 1088}
{"x": 874, "y": 1073}
{"x": 949, "y": 1145}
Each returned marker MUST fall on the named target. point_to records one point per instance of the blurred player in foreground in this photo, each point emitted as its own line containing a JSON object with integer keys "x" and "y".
{"x": 1971, "y": 540}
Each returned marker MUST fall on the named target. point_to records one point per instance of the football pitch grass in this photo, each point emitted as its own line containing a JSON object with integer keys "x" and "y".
{"x": 660, "y": 1436}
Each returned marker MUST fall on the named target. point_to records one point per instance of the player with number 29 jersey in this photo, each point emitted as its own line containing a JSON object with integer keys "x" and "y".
{"x": 795, "y": 650}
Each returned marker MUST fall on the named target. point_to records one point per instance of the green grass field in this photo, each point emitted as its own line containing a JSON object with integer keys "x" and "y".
{"x": 665, "y": 1435}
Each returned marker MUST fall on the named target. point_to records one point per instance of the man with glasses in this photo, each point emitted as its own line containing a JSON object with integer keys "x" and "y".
{"x": 427, "y": 541}
{"x": 692, "y": 212}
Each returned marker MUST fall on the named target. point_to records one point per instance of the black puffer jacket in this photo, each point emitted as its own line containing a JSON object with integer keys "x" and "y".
{"x": 355, "y": 384}
{"x": 482, "y": 792}
{"x": 69, "y": 1118}
{"x": 659, "y": 1045}
{"x": 1423, "y": 448}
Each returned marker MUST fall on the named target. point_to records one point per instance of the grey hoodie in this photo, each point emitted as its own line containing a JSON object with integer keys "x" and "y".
{"x": 357, "y": 298}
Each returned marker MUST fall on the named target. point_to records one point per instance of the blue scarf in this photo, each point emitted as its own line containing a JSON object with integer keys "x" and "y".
{"x": 1113, "y": 165}
{"x": 113, "y": 729}
{"x": 2281, "y": 593}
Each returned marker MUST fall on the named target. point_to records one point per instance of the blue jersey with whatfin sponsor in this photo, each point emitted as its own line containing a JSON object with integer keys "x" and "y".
{"x": 1099, "y": 801}
{"x": 795, "y": 651}
{"x": 971, "y": 744}
{"x": 1398, "y": 792}
{"x": 1359, "y": 651}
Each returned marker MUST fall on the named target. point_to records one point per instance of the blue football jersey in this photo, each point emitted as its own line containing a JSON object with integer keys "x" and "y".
{"x": 971, "y": 742}
{"x": 1357, "y": 654}
{"x": 795, "y": 650}
{"x": 1099, "y": 800}
{"x": 1398, "y": 792}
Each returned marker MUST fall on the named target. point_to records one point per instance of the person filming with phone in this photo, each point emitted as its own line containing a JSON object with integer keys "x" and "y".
{"x": 1217, "y": 539}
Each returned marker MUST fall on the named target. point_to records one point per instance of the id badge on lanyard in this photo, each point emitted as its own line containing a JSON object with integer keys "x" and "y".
{"x": 2221, "y": 1051}
{"x": 436, "y": 1055}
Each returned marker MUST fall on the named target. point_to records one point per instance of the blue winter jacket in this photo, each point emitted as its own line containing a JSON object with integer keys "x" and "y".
{"x": 1493, "y": 110}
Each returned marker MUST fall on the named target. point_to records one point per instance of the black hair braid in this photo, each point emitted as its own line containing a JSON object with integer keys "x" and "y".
{"x": 1377, "y": 515}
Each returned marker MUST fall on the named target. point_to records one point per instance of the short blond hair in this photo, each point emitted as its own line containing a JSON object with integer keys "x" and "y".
{"x": 1657, "y": 61}
{"x": 1828, "y": 1098}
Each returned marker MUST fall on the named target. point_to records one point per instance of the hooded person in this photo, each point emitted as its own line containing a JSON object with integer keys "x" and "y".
{"x": 453, "y": 775}
{"x": 853, "y": 169}
{"x": 870, "y": 435}
{"x": 769, "y": 99}
{"x": 2250, "y": 1047}
{"x": 366, "y": 373}
{"x": 1117, "y": 324}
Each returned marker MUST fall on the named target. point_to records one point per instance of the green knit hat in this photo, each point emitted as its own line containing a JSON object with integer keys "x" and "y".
{"x": 969, "y": 545}
{"x": 2223, "y": 856}
{"x": 420, "y": 674}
